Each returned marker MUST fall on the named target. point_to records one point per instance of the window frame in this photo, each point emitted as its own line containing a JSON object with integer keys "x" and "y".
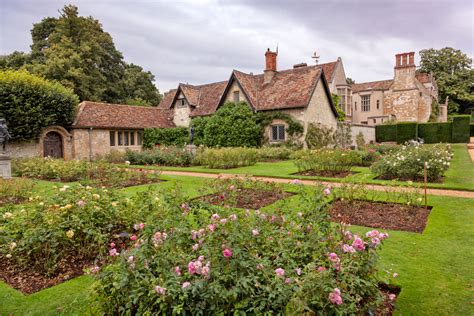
{"x": 280, "y": 130}
{"x": 236, "y": 96}
{"x": 112, "y": 138}
{"x": 365, "y": 103}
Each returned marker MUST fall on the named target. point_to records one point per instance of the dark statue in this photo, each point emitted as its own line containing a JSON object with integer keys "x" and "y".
{"x": 4, "y": 135}
{"x": 191, "y": 135}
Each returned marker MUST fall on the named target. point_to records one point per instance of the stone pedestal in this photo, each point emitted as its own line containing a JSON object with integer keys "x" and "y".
{"x": 191, "y": 149}
{"x": 5, "y": 166}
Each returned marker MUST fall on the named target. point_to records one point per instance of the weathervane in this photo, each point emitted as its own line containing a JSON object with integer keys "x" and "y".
{"x": 315, "y": 57}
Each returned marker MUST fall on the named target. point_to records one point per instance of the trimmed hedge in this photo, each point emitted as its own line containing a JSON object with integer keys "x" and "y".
{"x": 435, "y": 132}
{"x": 30, "y": 103}
{"x": 386, "y": 133}
{"x": 472, "y": 130}
{"x": 461, "y": 129}
{"x": 406, "y": 131}
{"x": 165, "y": 136}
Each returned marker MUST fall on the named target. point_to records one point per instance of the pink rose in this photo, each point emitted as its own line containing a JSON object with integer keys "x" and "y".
{"x": 215, "y": 217}
{"x": 321, "y": 269}
{"x": 358, "y": 243}
{"x": 113, "y": 252}
{"x": 298, "y": 271}
{"x": 186, "y": 285}
{"x": 327, "y": 191}
{"x": 392, "y": 297}
{"x": 395, "y": 274}
{"x": 231, "y": 187}
{"x": 195, "y": 247}
{"x": 224, "y": 220}
{"x": 233, "y": 217}
{"x": 141, "y": 225}
{"x": 287, "y": 281}
{"x": 347, "y": 248}
{"x": 198, "y": 267}
{"x": 259, "y": 266}
{"x": 191, "y": 268}
{"x": 206, "y": 270}
{"x": 280, "y": 272}
{"x": 133, "y": 237}
{"x": 333, "y": 257}
{"x": 160, "y": 290}
{"x": 201, "y": 258}
{"x": 112, "y": 245}
{"x": 335, "y": 297}
{"x": 383, "y": 236}
{"x": 255, "y": 232}
{"x": 211, "y": 227}
{"x": 227, "y": 253}
{"x": 372, "y": 233}
{"x": 80, "y": 203}
{"x": 375, "y": 241}
{"x": 177, "y": 270}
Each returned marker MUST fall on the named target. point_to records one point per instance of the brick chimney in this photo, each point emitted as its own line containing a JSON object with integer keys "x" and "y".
{"x": 405, "y": 70}
{"x": 270, "y": 65}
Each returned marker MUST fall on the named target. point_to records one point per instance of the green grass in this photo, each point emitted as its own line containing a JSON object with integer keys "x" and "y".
{"x": 435, "y": 267}
{"x": 460, "y": 175}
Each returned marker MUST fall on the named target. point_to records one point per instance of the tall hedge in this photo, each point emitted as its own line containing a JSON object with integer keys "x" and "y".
{"x": 435, "y": 132}
{"x": 472, "y": 130}
{"x": 30, "y": 103}
{"x": 461, "y": 129}
{"x": 165, "y": 136}
{"x": 386, "y": 133}
{"x": 406, "y": 131}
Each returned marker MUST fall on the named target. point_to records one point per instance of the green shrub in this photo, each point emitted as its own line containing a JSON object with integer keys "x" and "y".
{"x": 360, "y": 141}
{"x": 406, "y": 131}
{"x": 113, "y": 156}
{"x": 435, "y": 132}
{"x": 225, "y": 158}
{"x": 331, "y": 161}
{"x": 471, "y": 130}
{"x": 165, "y": 156}
{"x": 386, "y": 133}
{"x": 199, "y": 125}
{"x": 178, "y": 136}
{"x": 271, "y": 153}
{"x": 407, "y": 163}
{"x": 232, "y": 125}
{"x": 199, "y": 259}
{"x": 384, "y": 149}
{"x": 14, "y": 190}
{"x": 30, "y": 103}
{"x": 319, "y": 136}
{"x": 461, "y": 130}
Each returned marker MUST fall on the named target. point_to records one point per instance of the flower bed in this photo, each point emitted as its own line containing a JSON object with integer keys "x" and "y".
{"x": 407, "y": 163}
{"x": 326, "y": 162}
{"x": 13, "y": 191}
{"x": 164, "y": 156}
{"x": 226, "y": 158}
{"x": 242, "y": 193}
{"x": 201, "y": 259}
{"x": 96, "y": 174}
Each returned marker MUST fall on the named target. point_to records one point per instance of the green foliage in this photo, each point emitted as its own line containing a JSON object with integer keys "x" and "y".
{"x": 165, "y": 136}
{"x": 319, "y": 136}
{"x": 199, "y": 125}
{"x": 225, "y": 158}
{"x": 360, "y": 141}
{"x": 30, "y": 103}
{"x": 343, "y": 135}
{"x": 14, "y": 190}
{"x": 341, "y": 114}
{"x": 295, "y": 129}
{"x": 407, "y": 163}
{"x": 454, "y": 76}
{"x": 435, "y": 132}
{"x": 232, "y": 125}
{"x": 76, "y": 51}
{"x": 326, "y": 161}
{"x": 272, "y": 153}
{"x": 471, "y": 130}
{"x": 165, "y": 156}
{"x": 386, "y": 133}
{"x": 196, "y": 258}
{"x": 406, "y": 131}
{"x": 460, "y": 129}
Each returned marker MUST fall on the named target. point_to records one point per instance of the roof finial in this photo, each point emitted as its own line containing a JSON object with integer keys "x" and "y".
{"x": 315, "y": 57}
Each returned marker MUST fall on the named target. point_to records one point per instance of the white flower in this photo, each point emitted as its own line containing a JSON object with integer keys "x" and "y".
{"x": 127, "y": 162}
{"x": 12, "y": 245}
{"x": 8, "y": 256}
{"x": 70, "y": 233}
{"x": 7, "y": 215}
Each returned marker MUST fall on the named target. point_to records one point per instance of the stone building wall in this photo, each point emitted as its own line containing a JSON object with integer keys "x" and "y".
{"x": 181, "y": 113}
{"x": 230, "y": 94}
{"x": 26, "y": 149}
{"x": 367, "y": 131}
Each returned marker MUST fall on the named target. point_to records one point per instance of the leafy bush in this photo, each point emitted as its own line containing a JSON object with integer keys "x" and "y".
{"x": 99, "y": 174}
{"x": 435, "y": 132}
{"x": 360, "y": 141}
{"x": 406, "y": 131}
{"x": 201, "y": 259}
{"x": 269, "y": 153}
{"x": 31, "y": 103}
{"x": 165, "y": 136}
{"x": 165, "y": 156}
{"x": 13, "y": 190}
{"x": 294, "y": 129}
{"x": 232, "y": 125}
{"x": 386, "y": 133}
{"x": 319, "y": 136}
{"x": 471, "y": 130}
{"x": 407, "y": 163}
{"x": 225, "y": 158}
{"x": 364, "y": 158}
{"x": 74, "y": 225}
{"x": 384, "y": 149}
{"x": 113, "y": 156}
{"x": 332, "y": 161}
{"x": 461, "y": 129}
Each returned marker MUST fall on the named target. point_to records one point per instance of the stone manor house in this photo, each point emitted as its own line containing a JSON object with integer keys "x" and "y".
{"x": 304, "y": 92}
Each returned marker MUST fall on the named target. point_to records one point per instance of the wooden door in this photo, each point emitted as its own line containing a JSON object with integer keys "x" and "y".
{"x": 53, "y": 145}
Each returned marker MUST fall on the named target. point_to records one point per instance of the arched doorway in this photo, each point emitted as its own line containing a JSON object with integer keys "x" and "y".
{"x": 53, "y": 145}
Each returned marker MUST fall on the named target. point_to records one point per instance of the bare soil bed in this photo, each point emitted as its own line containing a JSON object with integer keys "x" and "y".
{"x": 325, "y": 173}
{"x": 388, "y": 304}
{"x": 246, "y": 198}
{"x": 380, "y": 215}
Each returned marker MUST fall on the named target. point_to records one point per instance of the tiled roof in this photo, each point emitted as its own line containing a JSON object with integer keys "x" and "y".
{"x": 167, "y": 99}
{"x": 209, "y": 97}
{"x": 106, "y": 115}
{"x": 374, "y": 85}
{"x": 328, "y": 69}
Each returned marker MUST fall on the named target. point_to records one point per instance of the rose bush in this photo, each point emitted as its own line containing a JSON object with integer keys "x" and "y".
{"x": 407, "y": 163}
{"x": 326, "y": 160}
{"x": 194, "y": 258}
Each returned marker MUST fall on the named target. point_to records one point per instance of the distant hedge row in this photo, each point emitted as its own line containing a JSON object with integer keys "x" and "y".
{"x": 457, "y": 131}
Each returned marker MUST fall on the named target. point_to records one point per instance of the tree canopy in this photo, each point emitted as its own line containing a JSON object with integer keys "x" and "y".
{"x": 78, "y": 53}
{"x": 454, "y": 75}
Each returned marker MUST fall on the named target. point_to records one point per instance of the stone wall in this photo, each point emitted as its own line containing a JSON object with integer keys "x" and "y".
{"x": 367, "y": 131}
{"x": 24, "y": 149}
{"x": 181, "y": 113}
{"x": 229, "y": 97}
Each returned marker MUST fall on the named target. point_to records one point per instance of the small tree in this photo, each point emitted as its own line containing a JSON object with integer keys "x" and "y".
{"x": 30, "y": 103}
{"x": 343, "y": 135}
{"x": 319, "y": 136}
{"x": 360, "y": 141}
{"x": 232, "y": 125}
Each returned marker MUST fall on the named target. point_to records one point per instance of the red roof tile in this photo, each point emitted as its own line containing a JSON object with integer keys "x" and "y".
{"x": 374, "y": 85}
{"x": 106, "y": 115}
{"x": 328, "y": 69}
{"x": 167, "y": 99}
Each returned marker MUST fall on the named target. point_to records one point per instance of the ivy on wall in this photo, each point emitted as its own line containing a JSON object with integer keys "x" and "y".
{"x": 294, "y": 129}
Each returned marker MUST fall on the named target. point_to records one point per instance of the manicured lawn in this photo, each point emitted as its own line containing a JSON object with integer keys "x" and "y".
{"x": 460, "y": 175}
{"x": 435, "y": 267}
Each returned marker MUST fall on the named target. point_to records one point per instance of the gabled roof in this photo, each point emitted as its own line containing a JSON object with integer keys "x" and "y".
{"x": 107, "y": 115}
{"x": 373, "y": 85}
{"x": 328, "y": 69}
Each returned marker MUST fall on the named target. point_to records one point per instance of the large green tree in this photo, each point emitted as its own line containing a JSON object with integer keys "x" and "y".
{"x": 76, "y": 51}
{"x": 454, "y": 75}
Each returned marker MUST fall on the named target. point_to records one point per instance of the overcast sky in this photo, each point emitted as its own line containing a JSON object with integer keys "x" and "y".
{"x": 202, "y": 41}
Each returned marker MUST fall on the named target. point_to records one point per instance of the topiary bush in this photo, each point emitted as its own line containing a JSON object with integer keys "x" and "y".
{"x": 461, "y": 130}
{"x": 178, "y": 136}
{"x": 30, "y": 103}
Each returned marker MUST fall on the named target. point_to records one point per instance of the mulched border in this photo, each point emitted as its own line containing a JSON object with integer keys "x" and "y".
{"x": 385, "y": 215}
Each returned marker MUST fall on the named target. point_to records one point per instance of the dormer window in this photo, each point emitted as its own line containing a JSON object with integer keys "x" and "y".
{"x": 236, "y": 96}
{"x": 181, "y": 103}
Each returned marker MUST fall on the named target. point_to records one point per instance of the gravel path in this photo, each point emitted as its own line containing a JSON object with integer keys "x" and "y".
{"x": 442, "y": 192}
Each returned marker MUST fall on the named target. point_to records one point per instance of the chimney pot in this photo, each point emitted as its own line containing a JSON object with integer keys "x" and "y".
{"x": 270, "y": 65}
